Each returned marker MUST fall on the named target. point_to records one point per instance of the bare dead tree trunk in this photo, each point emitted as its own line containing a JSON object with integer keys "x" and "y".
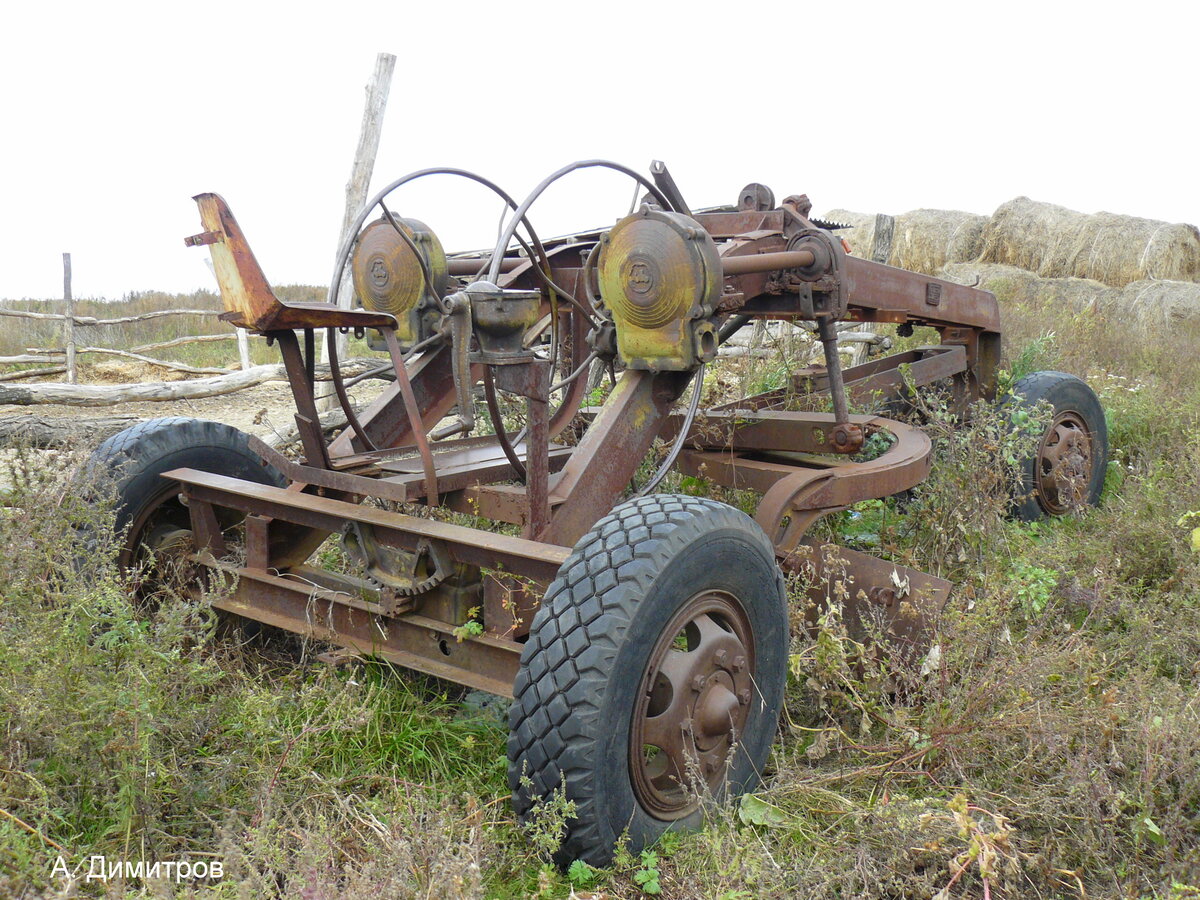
{"x": 360, "y": 176}
{"x": 53, "y": 432}
{"x": 160, "y": 391}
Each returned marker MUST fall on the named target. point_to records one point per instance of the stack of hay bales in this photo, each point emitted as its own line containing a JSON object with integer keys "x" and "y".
{"x": 1056, "y": 242}
{"x": 923, "y": 240}
{"x": 1039, "y": 253}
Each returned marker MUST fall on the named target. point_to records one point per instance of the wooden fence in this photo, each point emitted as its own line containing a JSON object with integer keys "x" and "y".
{"x": 64, "y": 361}
{"x": 212, "y": 380}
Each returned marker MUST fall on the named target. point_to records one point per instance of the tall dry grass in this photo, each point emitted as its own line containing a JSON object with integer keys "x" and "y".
{"x": 1051, "y": 748}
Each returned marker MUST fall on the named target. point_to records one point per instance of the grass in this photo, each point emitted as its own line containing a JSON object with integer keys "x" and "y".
{"x": 1050, "y": 749}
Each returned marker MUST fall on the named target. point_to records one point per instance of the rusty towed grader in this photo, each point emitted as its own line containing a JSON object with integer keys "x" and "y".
{"x": 642, "y": 636}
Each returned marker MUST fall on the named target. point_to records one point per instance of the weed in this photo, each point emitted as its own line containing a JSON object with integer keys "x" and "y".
{"x": 647, "y": 876}
{"x": 1033, "y": 586}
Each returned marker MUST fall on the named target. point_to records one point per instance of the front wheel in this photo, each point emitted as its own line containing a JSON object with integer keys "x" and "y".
{"x": 149, "y": 513}
{"x": 653, "y": 675}
{"x": 1067, "y": 470}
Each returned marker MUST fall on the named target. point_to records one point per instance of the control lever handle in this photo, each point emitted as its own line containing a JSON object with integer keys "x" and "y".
{"x": 457, "y": 321}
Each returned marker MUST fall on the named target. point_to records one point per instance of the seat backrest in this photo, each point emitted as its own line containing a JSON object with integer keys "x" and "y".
{"x": 248, "y": 298}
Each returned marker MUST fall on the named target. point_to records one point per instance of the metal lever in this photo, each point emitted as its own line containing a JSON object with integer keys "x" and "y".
{"x": 457, "y": 307}
{"x": 666, "y": 183}
{"x": 846, "y": 436}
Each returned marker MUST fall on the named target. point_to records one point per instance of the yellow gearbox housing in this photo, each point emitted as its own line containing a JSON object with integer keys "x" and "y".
{"x": 660, "y": 280}
{"x": 387, "y": 275}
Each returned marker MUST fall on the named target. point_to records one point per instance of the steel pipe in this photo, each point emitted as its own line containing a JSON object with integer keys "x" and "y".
{"x": 767, "y": 262}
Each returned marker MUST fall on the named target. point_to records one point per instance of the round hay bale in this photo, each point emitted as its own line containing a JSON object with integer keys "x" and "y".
{"x": 927, "y": 239}
{"x": 1160, "y": 304}
{"x": 1152, "y": 305}
{"x": 1012, "y": 285}
{"x": 923, "y": 240}
{"x": 861, "y": 233}
{"x": 1056, "y": 242}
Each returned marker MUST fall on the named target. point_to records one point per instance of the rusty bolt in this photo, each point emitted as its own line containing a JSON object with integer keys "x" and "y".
{"x": 744, "y": 696}
{"x": 721, "y": 658}
{"x": 739, "y": 663}
{"x": 884, "y": 596}
{"x": 698, "y": 683}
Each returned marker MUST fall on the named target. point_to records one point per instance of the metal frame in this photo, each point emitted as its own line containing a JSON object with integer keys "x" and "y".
{"x": 776, "y": 264}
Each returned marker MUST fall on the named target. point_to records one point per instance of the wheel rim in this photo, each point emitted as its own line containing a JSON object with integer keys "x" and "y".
{"x": 160, "y": 536}
{"x": 693, "y": 704}
{"x": 163, "y": 524}
{"x": 1064, "y": 464}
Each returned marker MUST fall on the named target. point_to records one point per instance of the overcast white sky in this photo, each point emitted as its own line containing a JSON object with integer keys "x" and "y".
{"x": 113, "y": 114}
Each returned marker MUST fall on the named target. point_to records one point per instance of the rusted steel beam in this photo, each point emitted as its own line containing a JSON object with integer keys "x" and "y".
{"x": 610, "y": 451}
{"x": 880, "y": 378}
{"x": 874, "y": 286}
{"x": 729, "y": 223}
{"x": 795, "y": 496}
{"x": 754, "y": 430}
{"x": 531, "y": 559}
{"x": 878, "y": 598}
{"x": 299, "y": 372}
{"x": 486, "y": 662}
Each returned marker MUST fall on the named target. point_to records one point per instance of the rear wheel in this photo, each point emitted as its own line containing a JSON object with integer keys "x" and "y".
{"x": 149, "y": 514}
{"x": 653, "y": 675}
{"x": 1067, "y": 471}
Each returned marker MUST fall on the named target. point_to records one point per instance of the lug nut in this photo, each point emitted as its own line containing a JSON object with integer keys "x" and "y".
{"x": 739, "y": 663}
{"x": 698, "y": 683}
{"x": 744, "y": 696}
{"x": 720, "y": 658}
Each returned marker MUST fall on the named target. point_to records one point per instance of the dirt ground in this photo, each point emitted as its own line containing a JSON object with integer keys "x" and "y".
{"x": 263, "y": 410}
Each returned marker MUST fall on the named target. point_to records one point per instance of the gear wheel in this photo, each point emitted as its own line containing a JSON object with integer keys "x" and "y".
{"x": 395, "y": 569}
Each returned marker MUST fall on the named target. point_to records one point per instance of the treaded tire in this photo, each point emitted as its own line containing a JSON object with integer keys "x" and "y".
{"x": 136, "y": 458}
{"x": 1072, "y": 400}
{"x": 592, "y": 640}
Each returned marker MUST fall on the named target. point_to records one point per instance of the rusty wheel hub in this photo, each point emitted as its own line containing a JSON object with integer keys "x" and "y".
{"x": 1065, "y": 464}
{"x": 692, "y": 705}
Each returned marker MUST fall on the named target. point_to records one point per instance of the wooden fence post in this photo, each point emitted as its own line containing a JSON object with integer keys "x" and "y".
{"x": 360, "y": 176}
{"x": 243, "y": 345}
{"x": 885, "y": 230}
{"x": 69, "y": 321}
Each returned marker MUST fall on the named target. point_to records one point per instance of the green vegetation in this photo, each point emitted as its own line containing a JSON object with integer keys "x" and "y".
{"x": 1050, "y": 747}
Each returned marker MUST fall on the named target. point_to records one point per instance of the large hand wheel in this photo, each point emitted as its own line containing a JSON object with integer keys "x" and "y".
{"x": 1067, "y": 471}
{"x": 149, "y": 512}
{"x": 653, "y": 675}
